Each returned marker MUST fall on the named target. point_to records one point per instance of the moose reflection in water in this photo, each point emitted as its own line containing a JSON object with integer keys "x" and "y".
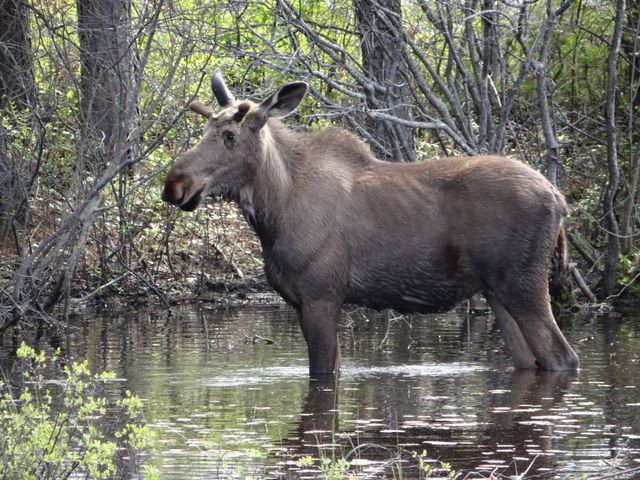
{"x": 519, "y": 415}
{"x": 339, "y": 226}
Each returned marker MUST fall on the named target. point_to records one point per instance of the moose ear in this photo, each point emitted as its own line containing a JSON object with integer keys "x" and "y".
{"x": 284, "y": 101}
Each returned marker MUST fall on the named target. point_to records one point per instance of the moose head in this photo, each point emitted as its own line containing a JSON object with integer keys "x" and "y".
{"x": 226, "y": 159}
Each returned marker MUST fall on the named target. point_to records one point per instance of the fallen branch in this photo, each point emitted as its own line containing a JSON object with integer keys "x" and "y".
{"x": 89, "y": 296}
{"x": 575, "y": 274}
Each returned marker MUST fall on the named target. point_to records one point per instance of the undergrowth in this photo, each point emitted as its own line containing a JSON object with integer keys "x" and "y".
{"x": 56, "y": 422}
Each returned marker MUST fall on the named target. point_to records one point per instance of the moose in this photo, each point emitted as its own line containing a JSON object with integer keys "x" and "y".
{"x": 337, "y": 225}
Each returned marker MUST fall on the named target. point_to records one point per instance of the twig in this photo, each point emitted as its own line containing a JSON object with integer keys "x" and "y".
{"x": 575, "y": 273}
{"x": 77, "y": 301}
{"x": 631, "y": 282}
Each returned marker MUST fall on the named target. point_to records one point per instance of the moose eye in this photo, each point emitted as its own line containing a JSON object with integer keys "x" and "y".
{"x": 229, "y": 138}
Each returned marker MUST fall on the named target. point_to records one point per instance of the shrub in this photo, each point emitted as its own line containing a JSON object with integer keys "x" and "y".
{"x": 56, "y": 422}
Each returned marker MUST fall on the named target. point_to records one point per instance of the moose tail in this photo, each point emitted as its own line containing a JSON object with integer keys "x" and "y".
{"x": 561, "y": 256}
{"x": 559, "y": 265}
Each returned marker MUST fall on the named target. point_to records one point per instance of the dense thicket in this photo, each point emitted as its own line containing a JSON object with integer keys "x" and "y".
{"x": 94, "y": 94}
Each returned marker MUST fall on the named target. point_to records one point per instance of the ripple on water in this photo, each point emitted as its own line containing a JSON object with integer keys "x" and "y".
{"x": 278, "y": 374}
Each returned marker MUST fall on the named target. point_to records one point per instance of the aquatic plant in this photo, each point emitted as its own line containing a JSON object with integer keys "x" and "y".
{"x": 56, "y": 422}
{"x": 430, "y": 468}
{"x": 333, "y": 462}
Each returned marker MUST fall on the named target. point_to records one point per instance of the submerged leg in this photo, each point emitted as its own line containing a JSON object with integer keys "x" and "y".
{"x": 319, "y": 322}
{"x": 513, "y": 338}
{"x": 532, "y": 312}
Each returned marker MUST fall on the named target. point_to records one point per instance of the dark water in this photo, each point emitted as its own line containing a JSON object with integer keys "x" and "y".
{"x": 229, "y": 395}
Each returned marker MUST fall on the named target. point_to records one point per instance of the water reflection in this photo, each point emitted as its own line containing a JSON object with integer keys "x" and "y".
{"x": 505, "y": 427}
{"x": 229, "y": 394}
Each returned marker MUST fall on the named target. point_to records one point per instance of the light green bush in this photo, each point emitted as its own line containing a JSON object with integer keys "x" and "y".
{"x": 56, "y": 422}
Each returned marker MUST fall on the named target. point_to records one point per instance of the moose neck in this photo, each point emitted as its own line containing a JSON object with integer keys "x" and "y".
{"x": 264, "y": 199}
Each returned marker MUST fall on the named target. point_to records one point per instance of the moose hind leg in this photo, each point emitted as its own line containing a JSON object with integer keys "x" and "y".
{"x": 532, "y": 312}
{"x": 513, "y": 338}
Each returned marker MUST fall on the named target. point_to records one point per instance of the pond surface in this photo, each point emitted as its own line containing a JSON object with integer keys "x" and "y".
{"x": 229, "y": 395}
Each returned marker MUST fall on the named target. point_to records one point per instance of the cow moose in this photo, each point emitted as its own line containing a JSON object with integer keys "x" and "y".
{"x": 338, "y": 225}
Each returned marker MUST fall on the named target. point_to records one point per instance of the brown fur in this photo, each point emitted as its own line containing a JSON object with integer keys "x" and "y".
{"x": 338, "y": 225}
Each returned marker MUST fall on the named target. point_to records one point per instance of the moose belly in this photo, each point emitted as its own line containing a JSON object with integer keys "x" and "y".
{"x": 408, "y": 291}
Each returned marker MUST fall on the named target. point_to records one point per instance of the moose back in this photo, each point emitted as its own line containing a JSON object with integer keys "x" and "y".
{"x": 339, "y": 226}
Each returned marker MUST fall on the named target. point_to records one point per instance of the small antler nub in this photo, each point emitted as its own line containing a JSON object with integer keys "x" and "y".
{"x": 199, "y": 107}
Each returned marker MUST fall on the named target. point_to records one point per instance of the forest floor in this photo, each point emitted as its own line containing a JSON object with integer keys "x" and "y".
{"x": 219, "y": 261}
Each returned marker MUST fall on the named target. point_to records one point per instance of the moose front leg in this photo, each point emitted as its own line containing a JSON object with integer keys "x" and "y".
{"x": 319, "y": 322}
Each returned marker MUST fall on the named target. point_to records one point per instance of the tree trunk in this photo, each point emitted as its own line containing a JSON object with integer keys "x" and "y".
{"x": 108, "y": 95}
{"x": 542, "y": 90}
{"x": 106, "y": 75}
{"x": 17, "y": 90}
{"x": 16, "y": 72}
{"x": 382, "y": 45}
{"x": 108, "y": 109}
{"x": 610, "y": 220}
{"x": 489, "y": 74}
{"x": 5, "y": 186}
{"x": 631, "y": 45}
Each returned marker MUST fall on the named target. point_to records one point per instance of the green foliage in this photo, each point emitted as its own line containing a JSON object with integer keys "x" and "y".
{"x": 56, "y": 422}
{"x": 432, "y": 469}
{"x": 305, "y": 461}
{"x": 629, "y": 270}
{"x": 337, "y": 466}
{"x": 334, "y": 469}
